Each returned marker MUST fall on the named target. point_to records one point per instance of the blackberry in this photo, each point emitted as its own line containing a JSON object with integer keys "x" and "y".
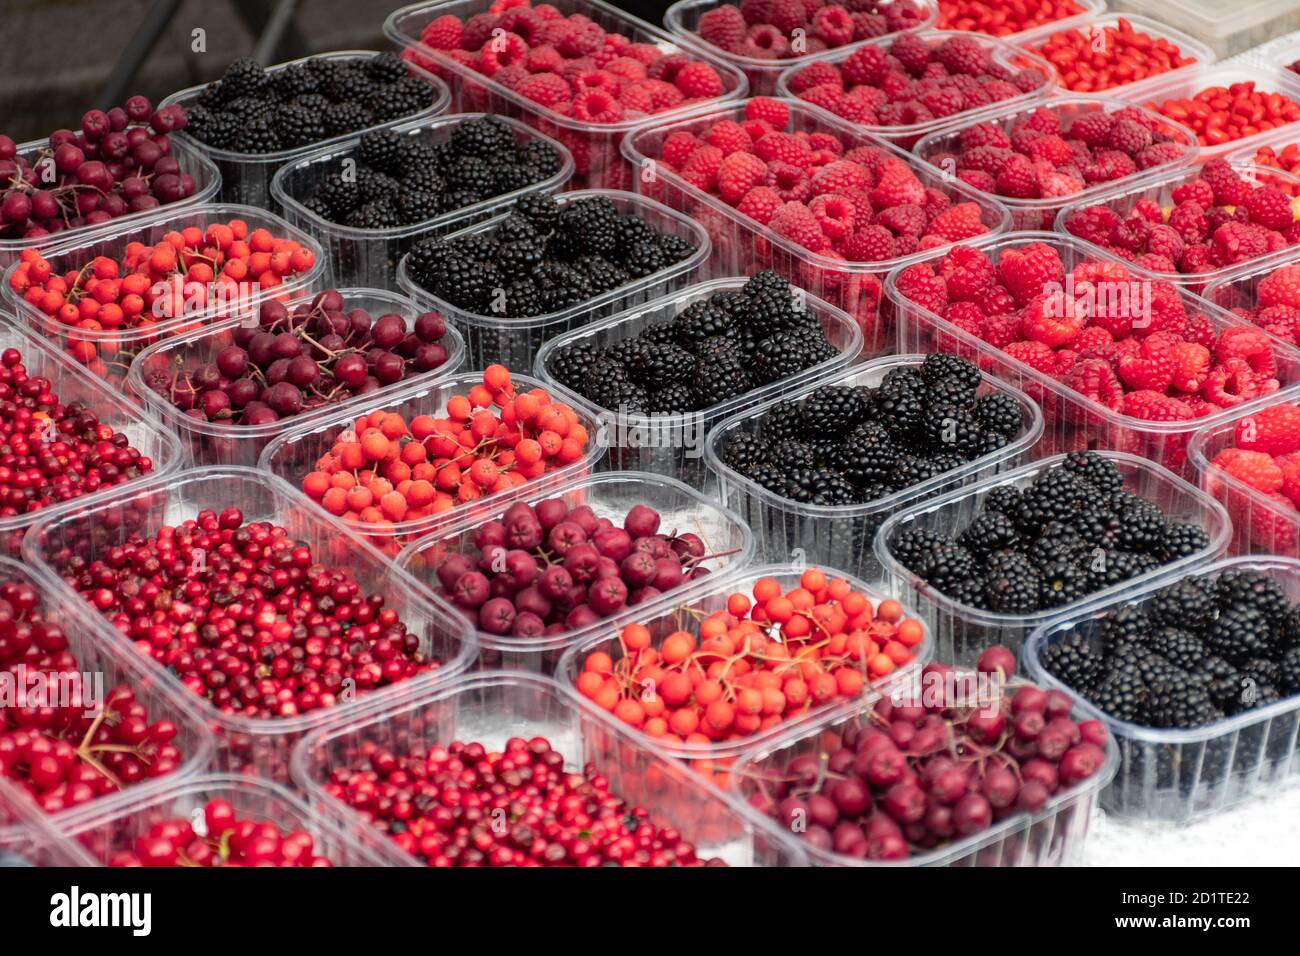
{"x": 461, "y": 281}
{"x": 940, "y": 365}
{"x": 291, "y": 82}
{"x": 1013, "y": 584}
{"x": 945, "y": 565}
{"x": 589, "y": 225}
{"x": 1289, "y": 671}
{"x": 1181, "y": 540}
{"x": 1124, "y": 627}
{"x": 1057, "y": 542}
{"x": 1255, "y": 697}
{"x": 508, "y": 177}
{"x": 1096, "y": 527}
{"x": 544, "y": 161}
{"x": 1121, "y": 694}
{"x": 745, "y": 453}
{"x": 676, "y": 399}
{"x": 1109, "y": 568}
{"x": 771, "y": 312}
{"x": 832, "y": 409}
{"x": 1177, "y": 701}
{"x": 719, "y": 347}
{"x": 1063, "y": 581}
{"x": 417, "y": 205}
{"x": 660, "y": 333}
{"x": 658, "y": 365}
{"x": 951, "y": 428}
{"x": 373, "y": 185}
{"x": 561, "y": 286}
{"x": 1101, "y": 473}
{"x": 768, "y": 280}
{"x": 386, "y": 68}
{"x": 1261, "y": 670}
{"x": 1222, "y": 681}
{"x": 540, "y": 209}
{"x": 645, "y": 258}
{"x": 604, "y": 380}
{"x": 910, "y": 545}
{"x": 522, "y": 299}
{"x": 1074, "y": 661}
{"x": 699, "y": 321}
{"x": 988, "y": 532}
{"x": 998, "y": 413}
{"x": 603, "y": 275}
{"x": 396, "y": 100}
{"x": 1180, "y": 647}
{"x": 1142, "y": 530}
{"x": 382, "y": 150}
{"x": 474, "y": 176}
{"x": 786, "y": 354}
{"x": 784, "y": 419}
{"x": 632, "y": 231}
{"x": 1004, "y": 498}
{"x": 900, "y": 404}
{"x": 426, "y": 259}
{"x": 341, "y": 195}
{"x": 968, "y": 592}
{"x": 951, "y": 391}
{"x": 911, "y": 470}
{"x": 340, "y": 118}
{"x": 1240, "y": 632}
{"x": 1042, "y": 504}
{"x": 517, "y": 228}
{"x": 486, "y": 138}
{"x": 298, "y": 127}
{"x": 792, "y": 453}
{"x": 378, "y": 214}
{"x": 348, "y": 84}
{"x": 244, "y": 77}
{"x": 867, "y": 455}
{"x": 259, "y": 136}
{"x": 675, "y": 248}
{"x": 820, "y": 487}
{"x": 716, "y": 380}
{"x": 1242, "y": 587}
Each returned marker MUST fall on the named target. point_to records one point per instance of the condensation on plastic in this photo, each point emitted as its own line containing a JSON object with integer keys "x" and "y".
{"x": 217, "y": 443}
{"x": 294, "y": 452}
{"x": 961, "y": 632}
{"x": 369, "y": 257}
{"x": 1053, "y": 836}
{"x": 250, "y": 745}
{"x": 1072, "y": 421}
{"x": 674, "y": 444}
{"x": 28, "y": 839}
{"x": 611, "y": 495}
{"x": 682, "y": 20}
{"x": 490, "y": 708}
{"x": 115, "y": 348}
{"x": 742, "y": 246}
{"x": 514, "y": 342}
{"x": 246, "y": 177}
{"x": 1228, "y": 28}
{"x": 841, "y": 536}
{"x": 595, "y": 146}
{"x": 1041, "y": 213}
{"x": 1182, "y": 775}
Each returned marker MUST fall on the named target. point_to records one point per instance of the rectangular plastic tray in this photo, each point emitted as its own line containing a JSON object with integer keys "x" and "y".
{"x": 1041, "y": 213}
{"x": 1277, "y": 143}
{"x": 27, "y": 839}
{"x": 213, "y": 443}
{"x": 1053, "y": 836}
{"x": 246, "y": 177}
{"x": 1182, "y": 775}
{"x": 1073, "y": 422}
{"x": 368, "y": 257}
{"x": 1228, "y": 28}
{"x": 610, "y": 495}
{"x": 595, "y": 146}
{"x": 294, "y": 452}
{"x": 674, "y": 444}
{"x": 514, "y": 342}
{"x": 248, "y": 745}
{"x": 493, "y": 706}
{"x": 840, "y": 536}
{"x": 114, "y": 349}
{"x": 743, "y": 246}
{"x": 682, "y": 20}
{"x": 962, "y": 632}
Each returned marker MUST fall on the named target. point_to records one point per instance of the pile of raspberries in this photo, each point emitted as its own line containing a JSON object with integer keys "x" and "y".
{"x": 781, "y": 29}
{"x": 1265, "y": 454}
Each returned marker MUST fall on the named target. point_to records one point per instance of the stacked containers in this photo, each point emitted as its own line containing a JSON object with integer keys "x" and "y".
{"x": 1178, "y": 775}
{"x": 595, "y": 146}
{"x": 246, "y": 177}
{"x": 674, "y": 444}
{"x": 221, "y": 443}
{"x": 514, "y": 342}
{"x": 742, "y": 246}
{"x": 249, "y": 745}
{"x": 1229, "y": 29}
{"x": 841, "y": 536}
{"x": 368, "y": 257}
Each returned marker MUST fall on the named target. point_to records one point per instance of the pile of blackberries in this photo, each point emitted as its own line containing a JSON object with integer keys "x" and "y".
{"x": 1072, "y": 531}
{"x": 400, "y": 179}
{"x": 544, "y": 257}
{"x": 848, "y": 444}
{"x": 250, "y": 110}
{"x": 713, "y": 350}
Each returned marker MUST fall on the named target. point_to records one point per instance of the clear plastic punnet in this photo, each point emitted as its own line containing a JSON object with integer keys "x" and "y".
{"x": 72, "y": 383}
{"x": 492, "y": 707}
{"x": 841, "y": 536}
{"x": 246, "y": 177}
{"x": 28, "y": 839}
{"x": 369, "y": 257}
{"x": 108, "y": 834}
{"x": 1173, "y": 775}
{"x": 1228, "y": 28}
{"x": 1091, "y": 9}
{"x": 207, "y": 183}
{"x": 1002, "y": 52}
{"x": 249, "y": 745}
{"x": 1072, "y": 421}
{"x": 595, "y": 146}
{"x": 293, "y": 453}
{"x": 728, "y": 546}
{"x": 683, "y": 18}
{"x": 674, "y": 444}
{"x": 218, "y": 443}
{"x": 940, "y": 150}
{"x": 109, "y": 352}
{"x": 514, "y": 343}
{"x": 742, "y": 246}
{"x": 1053, "y": 836}
{"x": 960, "y": 631}
{"x": 1277, "y": 143}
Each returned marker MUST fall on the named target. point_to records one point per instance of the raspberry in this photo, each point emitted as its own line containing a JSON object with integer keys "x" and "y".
{"x": 767, "y": 109}
{"x": 1092, "y": 223}
{"x": 1128, "y": 136}
{"x": 1237, "y": 242}
{"x": 1037, "y": 355}
{"x": 922, "y": 286}
{"x": 1229, "y": 188}
{"x": 983, "y": 134}
{"x": 989, "y": 159}
{"x": 1249, "y": 344}
{"x": 962, "y": 221}
{"x": 1196, "y": 258}
{"x": 506, "y": 50}
{"x": 1026, "y": 271}
{"x": 701, "y": 169}
{"x": 787, "y": 15}
{"x": 898, "y": 185}
{"x": 795, "y": 221}
{"x": 1000, "y": 330}
{"x": 1017, "y": 179}
{"x": 1270, "y": 207}
{"x": 1152, "y": 372}
{"x": 834, "y": 25}
{"x": 871, "y": 243}
{"x": 1234, "y": 382}
{"x": 967, "y": 271}
{"x": 1191, "y": 366}
{"x": 867, "y": 66}
{"x": 994, "y": 299}
{"x": 1164, "y": 241}
{"x": 839, "y": 175}
{"x": 698, "y": 80}
{"x": 1254, "y": 468}
{"x": 1095, "y": 380}
{"x": 943, "y": 102}
{"x": 783, "y": 148}
{"x": 963, "y": 54}
{"x": 1094, "y": 342}
{"x": 544, "y": 88}
{"x": 1059, "y": 184}
{"x": 1274, "y": 430}
{"x": 678, "y": 147}
{"x": 1051, "y": 149}
{"x": 626, "y": 68}
{"x": 1155, "y": 406}
{"x": 791, "y": 182}
{"x": 1092, "y": 129}
{"x": 738, "y": 174}
{"x": 755, "y": 11}
{"x": 1280, "y": 287}
{"x": 1188, "y": 220}
{"x": 728, "y": 136}
{"x": 1107, "y": 165}
{"x": 1053, "y": 319}
{"x": 905, "y": 220}
{"x": 815, "y": 74}
{"x": 663, "y": 95}
{"x": 596, "y": 106}
{"x": 834, "y": 215}
{"x": 1196, "y": 190}
{"x": 760, "y": 203}
{"x": 443, "y": 33}
{"x": 912, "y": 52}
{"x": 723, "y": 26}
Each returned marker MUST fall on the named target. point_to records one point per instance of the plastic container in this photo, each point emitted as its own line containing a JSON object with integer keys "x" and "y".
{"x": 247, "y": 745}
{"x": 840, "y": 536}
{"x": 261, "y": 800}
{"x": 674, "y": 444}
{"x": 1182, "y": 775}
{"x": 368, "y": 257}
{"x": 1091, "y": 10}
{"x": 110, "y": 351}
{"x": 1002, "y": 52}
{"x": 743, "y": 246}
{"x": 683, "y": 18}
{"x": 72, "y": 383}
{"x": 1278, "y": 143}
{"x": 246, "y": 177}
{"x": 594, "y": 146}
{"x": 207, "y": 183}
{"x": 961, "y": 632}
{"x": 1227, "y": 28}
{"x": 1073, "y": 422}
{"x": 27, "y": 839}
{"x": 294, "y": 452}
{"x": 493, "y": 706}
{"x": 1053, "y": 836}
{"x": 611, "y": 495}
{"x": 514, "y": 342}
{"x": 214, "y": 443}
{"x": 1041, "y": 213}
